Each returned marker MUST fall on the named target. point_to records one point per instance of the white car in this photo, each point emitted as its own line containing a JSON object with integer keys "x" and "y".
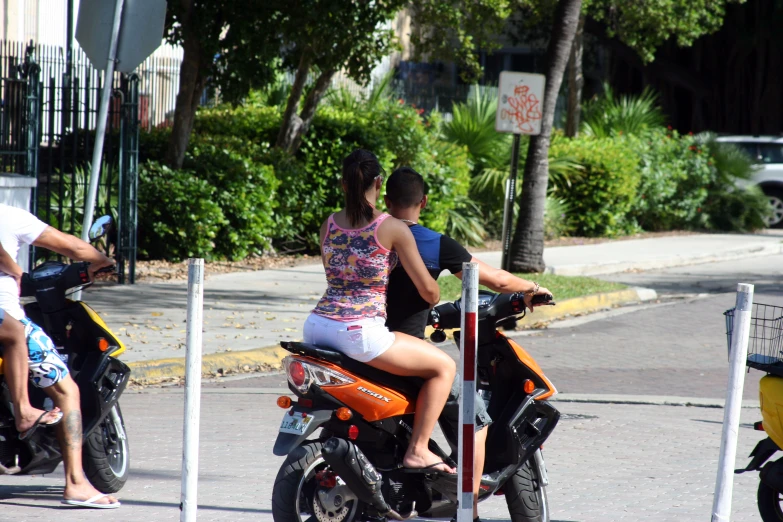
{"x": 767, "y": 152}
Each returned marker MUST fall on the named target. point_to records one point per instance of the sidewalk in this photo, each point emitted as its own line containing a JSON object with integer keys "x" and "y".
{"x": 246, "y": 311}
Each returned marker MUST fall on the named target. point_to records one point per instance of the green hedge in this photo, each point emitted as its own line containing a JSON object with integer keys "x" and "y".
{"x": 267, "y": 197}
{"x": 600, "y": 199}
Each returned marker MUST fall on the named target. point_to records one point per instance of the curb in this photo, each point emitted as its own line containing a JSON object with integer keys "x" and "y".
{"x": 666, "y": 262}
{"x": 590, "y": 303}
{"x": 650, "y": 400}
{"x": 270, "y": 357}
{"x": 262, "y": 359}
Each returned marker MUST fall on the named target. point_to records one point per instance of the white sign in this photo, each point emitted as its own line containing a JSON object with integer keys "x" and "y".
{"x": 520, "y": 103}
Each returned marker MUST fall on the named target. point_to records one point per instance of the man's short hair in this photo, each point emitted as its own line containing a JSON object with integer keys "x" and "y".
{"x": 405, "y": 187}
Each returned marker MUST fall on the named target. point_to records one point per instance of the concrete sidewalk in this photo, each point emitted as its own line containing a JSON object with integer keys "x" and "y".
{"x": 247, "y": 311}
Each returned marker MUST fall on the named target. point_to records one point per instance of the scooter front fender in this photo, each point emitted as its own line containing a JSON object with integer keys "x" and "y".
{"x": 761, "y": 453}
{"x": 286, "y": 442}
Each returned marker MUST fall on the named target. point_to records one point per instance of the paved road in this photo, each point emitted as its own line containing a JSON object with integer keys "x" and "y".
{"x": 606, "y": 463}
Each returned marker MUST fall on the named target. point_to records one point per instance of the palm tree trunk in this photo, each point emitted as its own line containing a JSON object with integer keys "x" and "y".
{"x": 576, "y": 81}
{"x": 527, "y": 249}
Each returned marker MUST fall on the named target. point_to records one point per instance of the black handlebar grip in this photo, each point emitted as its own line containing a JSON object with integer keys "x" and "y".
{"x": 543, "y": 299}
{"x": 106, "y": 270}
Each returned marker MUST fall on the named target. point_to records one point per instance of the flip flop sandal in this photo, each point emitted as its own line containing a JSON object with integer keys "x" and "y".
{"x": 91, "y": 502}
{"x": 28, "y": 433}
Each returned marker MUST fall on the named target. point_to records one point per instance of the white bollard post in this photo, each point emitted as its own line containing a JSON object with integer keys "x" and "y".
{"x": 467, "y": 406}
{"x": 190, "y": 443}
{"x": 721, "y": 504}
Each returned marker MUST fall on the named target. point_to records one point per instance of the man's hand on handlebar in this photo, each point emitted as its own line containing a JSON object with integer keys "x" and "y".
{"x": 529, "y": 298}
{"x": 97, "y": 268}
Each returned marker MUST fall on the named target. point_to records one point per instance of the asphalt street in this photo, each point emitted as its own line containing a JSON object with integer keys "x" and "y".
{"x": 606, "y": 461}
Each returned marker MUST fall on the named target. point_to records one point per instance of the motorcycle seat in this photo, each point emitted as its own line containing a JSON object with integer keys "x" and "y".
{"x": 407, "y": 385}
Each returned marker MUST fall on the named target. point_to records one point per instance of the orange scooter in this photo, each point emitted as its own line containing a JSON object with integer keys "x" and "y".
{"x": 352, "y": 470}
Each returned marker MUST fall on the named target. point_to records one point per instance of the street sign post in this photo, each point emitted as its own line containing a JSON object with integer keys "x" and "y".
{"x": 119, "y": 35}
{"x": 520, "y": 97}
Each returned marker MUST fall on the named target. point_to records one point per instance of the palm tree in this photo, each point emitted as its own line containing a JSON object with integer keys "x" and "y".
{"x": 527, "y": 248}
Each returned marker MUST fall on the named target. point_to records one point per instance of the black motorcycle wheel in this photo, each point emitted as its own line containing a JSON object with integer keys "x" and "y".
{"x": 525, "y": 495}
{"x": 294, "y": 494}
{"x": 769, "y": 503}
{"x": 105, "y": 454}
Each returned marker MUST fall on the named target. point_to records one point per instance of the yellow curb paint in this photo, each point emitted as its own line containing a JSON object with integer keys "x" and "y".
{"x": 175, "y": 367}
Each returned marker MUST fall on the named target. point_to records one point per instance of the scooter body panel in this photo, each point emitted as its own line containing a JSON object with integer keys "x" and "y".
{"x": 771, "y": 401}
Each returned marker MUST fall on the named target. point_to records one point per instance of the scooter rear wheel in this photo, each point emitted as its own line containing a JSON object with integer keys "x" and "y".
{"x": 526, "y": 496}
{"x": 769, "y": 502}
{"x": 294, "y": 496}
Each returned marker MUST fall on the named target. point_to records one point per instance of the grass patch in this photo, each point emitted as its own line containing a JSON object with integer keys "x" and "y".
{"x": 563, "y": 287}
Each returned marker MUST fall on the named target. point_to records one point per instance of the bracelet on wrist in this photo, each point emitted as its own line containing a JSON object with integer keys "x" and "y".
{"x": 534, "y": 290}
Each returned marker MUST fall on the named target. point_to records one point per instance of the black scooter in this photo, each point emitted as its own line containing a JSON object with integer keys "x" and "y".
{"x": 91, "y": 352}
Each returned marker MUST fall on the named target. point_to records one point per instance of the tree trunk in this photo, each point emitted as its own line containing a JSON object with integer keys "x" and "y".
{"x": 191, "y": 84}
{"x": 289, "y": 127}
{"x": 314, "y": 97}
{"x": 576, "y": 81}
{"x": 527, "y": 249}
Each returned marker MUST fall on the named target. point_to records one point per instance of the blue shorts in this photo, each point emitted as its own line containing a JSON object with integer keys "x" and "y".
{"x": 47, "y": 366}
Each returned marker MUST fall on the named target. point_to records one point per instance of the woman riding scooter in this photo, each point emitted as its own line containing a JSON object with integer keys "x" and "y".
{"x": 359, "y": 247}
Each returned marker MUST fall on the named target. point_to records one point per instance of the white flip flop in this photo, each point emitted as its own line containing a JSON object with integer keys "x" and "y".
{"x": 90, "y": 502}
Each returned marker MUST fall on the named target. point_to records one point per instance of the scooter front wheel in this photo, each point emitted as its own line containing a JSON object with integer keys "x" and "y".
{"x": 105, "y": 453}
{"x": 526, "y": 495}
{"x": 769, "y": 501}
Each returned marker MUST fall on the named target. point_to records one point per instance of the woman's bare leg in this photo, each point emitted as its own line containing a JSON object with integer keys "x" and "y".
{"x": 479, "y": 452}
{"x": 412, "y": 357}
{"x": 15, "y": 358}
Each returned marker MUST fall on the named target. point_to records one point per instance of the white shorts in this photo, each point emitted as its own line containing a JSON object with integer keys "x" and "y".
{"x": 363, "y": 340}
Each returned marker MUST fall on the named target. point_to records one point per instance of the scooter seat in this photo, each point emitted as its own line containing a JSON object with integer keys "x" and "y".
{"x": 408, "y": 385}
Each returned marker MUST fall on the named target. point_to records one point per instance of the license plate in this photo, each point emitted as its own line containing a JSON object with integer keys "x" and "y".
{"x": 295, "y": 424}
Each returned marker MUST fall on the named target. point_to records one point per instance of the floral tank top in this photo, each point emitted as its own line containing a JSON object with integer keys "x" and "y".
{"x": 357, "y": 272}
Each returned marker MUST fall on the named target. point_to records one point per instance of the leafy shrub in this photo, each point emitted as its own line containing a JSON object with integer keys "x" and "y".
{"x": 610, "y": 115}
{"x": 737, "y": 210}
{"x": 243, "y": 185}
{"x": 178, "y": 217}
{"x": 601, "y": 197}
{"x": 676, "y": 174}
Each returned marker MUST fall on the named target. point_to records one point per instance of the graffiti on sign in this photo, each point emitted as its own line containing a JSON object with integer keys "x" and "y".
{"x": 519, "y": 107}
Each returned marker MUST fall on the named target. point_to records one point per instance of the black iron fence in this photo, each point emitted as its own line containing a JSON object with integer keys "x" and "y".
{"x": 48, "y": 117}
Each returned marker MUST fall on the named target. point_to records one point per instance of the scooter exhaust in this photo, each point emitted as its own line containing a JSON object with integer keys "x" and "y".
{"x": 359, "y": 475}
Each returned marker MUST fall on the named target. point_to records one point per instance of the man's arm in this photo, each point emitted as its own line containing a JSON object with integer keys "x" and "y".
{"x": 504, "y": 282}
{"x": 73, "y": 248}
{"x": 9, "y": 266}
{"x": 499, "y": 280}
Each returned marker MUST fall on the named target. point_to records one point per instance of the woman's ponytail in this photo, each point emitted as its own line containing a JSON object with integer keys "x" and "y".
{"x": 360, "y": 169}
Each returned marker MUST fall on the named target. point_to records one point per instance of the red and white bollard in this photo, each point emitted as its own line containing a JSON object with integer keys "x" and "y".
{"x": 467, "y": 407}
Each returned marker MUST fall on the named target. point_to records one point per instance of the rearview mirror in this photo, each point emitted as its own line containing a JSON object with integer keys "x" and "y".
{"x": 100, "y": 227}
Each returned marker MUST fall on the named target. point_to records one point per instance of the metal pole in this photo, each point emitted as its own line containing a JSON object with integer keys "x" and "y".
{"x": 721, "y": 504}
{"x": 97, "y": 153}
{"x": 467, "y": 406}
{"x": 508, "y": 210}
{"x": 190, "y": 442}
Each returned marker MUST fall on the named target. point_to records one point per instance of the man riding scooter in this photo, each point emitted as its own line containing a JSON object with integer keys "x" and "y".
{"x": 47, "y": 369}
{"x": 406, "y": 197}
